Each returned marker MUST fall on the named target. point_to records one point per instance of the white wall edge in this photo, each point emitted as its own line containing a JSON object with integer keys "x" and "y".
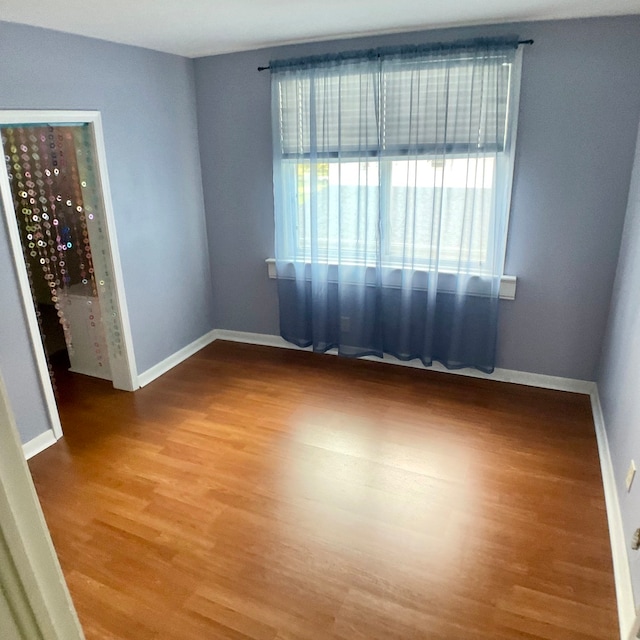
{"x": 621, "y": 572}
{"x": 39, "y": 443}
{"x": 500, "y": 375}
{"x": 167, "y": 364}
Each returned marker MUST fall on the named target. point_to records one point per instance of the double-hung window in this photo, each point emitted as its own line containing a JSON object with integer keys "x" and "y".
{"x": 392, "y": 180}
{"x": 399, "y": 159}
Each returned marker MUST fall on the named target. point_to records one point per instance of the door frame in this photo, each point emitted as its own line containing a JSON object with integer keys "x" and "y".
{"x": 39, "y": 603}
{"x": 127, "y": 377}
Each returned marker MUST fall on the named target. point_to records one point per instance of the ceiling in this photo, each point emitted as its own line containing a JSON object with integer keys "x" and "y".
{"x": 196, "y": 28}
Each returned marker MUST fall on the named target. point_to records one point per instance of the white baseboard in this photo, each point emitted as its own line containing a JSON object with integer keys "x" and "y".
{"x": 263, "y": 339}
{"x": 501, "y": 375}
{"x": 175, "y": 359}
{"x": 621, "y": 572}
{"x": 39, "y": 443}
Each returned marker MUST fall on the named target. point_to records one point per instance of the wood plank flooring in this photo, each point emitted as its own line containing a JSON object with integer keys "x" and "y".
{"x": 266, "y": 494}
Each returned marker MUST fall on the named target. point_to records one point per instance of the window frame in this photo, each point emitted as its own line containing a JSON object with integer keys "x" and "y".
{"x": 389, "y": 258}
{"x": 292, "y": 251}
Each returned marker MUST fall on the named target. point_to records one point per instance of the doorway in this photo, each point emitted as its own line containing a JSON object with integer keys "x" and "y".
{"x": 56, "y": 198}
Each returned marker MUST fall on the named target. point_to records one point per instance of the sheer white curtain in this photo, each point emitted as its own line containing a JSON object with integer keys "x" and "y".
{"x": 392, "y": 175}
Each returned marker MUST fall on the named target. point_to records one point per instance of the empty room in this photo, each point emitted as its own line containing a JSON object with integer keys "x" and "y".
{"x": 320, "y": 321}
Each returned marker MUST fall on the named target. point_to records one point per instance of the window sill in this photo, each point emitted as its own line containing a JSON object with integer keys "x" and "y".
{"x": 507, "y": 283}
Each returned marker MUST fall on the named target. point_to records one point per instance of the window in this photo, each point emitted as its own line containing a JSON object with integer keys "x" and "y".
{"x": 401, "y": 160}
{"x": 338, "y": 187}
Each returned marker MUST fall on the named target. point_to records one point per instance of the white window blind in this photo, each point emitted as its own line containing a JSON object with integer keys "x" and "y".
{"x": 363, "y": 108}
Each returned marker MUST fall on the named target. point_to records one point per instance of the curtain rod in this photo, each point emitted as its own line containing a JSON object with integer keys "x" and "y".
{"x": 519, "y": 43}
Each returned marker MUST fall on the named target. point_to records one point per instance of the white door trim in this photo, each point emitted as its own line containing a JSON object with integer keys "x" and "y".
{"x": 33, "y": 584}
{"x": 128, "y": 378}
{"x": 130, "y": 382}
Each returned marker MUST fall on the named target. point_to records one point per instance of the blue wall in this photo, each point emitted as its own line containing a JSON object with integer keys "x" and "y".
{"x": 147, "y": 101}
{"x": 579, "y": 110}
{"x": 619, "y": 375}
{"x": 580, "y": 106}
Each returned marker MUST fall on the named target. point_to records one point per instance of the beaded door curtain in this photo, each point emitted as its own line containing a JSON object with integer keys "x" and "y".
{"x": 57, "y": 200}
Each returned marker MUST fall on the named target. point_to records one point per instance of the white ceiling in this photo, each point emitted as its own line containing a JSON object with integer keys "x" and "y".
{"x": 196, "y": 28}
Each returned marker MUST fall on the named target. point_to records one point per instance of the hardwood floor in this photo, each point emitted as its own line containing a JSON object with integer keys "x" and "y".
{"x": 272, "y": 494}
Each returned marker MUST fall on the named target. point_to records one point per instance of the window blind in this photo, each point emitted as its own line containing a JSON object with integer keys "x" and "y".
{"x": 365, "y": 109}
